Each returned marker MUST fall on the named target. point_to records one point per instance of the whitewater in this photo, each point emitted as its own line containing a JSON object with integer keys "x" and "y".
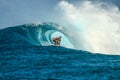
{"x": 96, "y": 24}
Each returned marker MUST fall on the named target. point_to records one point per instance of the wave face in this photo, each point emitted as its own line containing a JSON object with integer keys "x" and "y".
{"x": 35, "y": 34}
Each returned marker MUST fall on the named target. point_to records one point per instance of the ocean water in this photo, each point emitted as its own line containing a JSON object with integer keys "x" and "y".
{"x": 24, "y": 55}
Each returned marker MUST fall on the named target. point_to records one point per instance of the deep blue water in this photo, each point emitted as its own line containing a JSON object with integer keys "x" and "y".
{"x": 21, "y": 60}
{"x": 48, "y": 63}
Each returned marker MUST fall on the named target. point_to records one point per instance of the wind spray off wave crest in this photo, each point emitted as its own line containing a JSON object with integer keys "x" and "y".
{"x": 97, "y": 25}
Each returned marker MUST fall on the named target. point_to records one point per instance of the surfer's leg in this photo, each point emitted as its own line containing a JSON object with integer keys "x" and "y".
{"x": 55, "y": 42}
{"x": 58, "y": 43}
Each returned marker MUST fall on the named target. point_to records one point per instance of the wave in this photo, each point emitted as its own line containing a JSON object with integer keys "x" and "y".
{"x": 38, "y": 35}
{"x": 35, "y": 34}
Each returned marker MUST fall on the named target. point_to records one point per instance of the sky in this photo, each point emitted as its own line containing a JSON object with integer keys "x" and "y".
{"x": 15, "y": 12}
{"x": 95, "y": 22}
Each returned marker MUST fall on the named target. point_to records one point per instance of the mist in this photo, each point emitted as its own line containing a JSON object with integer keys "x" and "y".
{"x": 91, "y": 26}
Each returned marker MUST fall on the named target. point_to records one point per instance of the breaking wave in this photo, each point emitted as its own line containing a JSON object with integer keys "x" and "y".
{"x": 36, "y": 34}
{"x": 39, "y": 35}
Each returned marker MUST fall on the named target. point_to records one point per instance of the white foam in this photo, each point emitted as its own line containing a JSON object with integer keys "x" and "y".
{"x": 93, "y": 27}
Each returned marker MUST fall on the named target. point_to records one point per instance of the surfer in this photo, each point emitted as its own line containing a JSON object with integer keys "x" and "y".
{"x": 57, "y": 40}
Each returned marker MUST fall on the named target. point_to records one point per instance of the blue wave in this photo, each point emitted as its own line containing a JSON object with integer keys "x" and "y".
{"x": 35, "y": 34}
